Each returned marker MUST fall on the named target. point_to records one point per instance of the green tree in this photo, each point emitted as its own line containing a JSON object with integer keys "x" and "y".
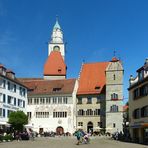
{"x": 18, "y": 120}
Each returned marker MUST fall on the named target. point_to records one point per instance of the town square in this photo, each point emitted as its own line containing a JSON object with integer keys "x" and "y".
{"x": 73, "y": 73}
{"x": 66, "y": 142}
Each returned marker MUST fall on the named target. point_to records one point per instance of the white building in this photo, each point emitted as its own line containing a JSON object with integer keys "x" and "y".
{"x": 51, "y": 100}
{"x": 13, "y": 94}
{"x": 51, "y": 105}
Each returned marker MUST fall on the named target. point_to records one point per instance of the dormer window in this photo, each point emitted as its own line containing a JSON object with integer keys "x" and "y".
{"x": 2, "y": 70}
{"x": 89, "y": 100}
{"x": 79, "y": 101}
{"x": 10, "y": 74}
{"x": 97, "y": 87}
{"x": 56, "y": 89}
{"x": 59, "y": 70}
{"x": 141, "y": 75}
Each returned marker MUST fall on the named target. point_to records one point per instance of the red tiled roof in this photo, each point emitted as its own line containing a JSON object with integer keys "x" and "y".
{"x": 40, "y": 87}
{"x": 29, "y": 79}
{"x": 15, "y": 80}
{"x": 55, "y": 65}
{"x": 92, "y": 78}
{"x": 7, "y": 76}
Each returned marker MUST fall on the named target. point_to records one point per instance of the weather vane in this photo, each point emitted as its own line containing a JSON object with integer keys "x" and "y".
{"x": 57, "y": 17}
{"x": 115, "y": 52}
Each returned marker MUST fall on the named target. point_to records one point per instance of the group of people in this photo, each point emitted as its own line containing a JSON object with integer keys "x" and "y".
{"x": 26, "y": 134}
{"x": 82, "y": 137}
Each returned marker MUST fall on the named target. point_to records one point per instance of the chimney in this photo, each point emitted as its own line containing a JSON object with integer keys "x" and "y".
{"x": 10, "y": 74}
{"x": 146, "y": 61}
{"x": 2, "y": 70}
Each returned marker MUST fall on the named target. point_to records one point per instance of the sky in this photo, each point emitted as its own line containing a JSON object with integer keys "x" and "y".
{"x": 93, "y": 30}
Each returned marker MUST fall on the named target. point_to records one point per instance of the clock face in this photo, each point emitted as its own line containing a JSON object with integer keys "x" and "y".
{"x": 56, "y": 48}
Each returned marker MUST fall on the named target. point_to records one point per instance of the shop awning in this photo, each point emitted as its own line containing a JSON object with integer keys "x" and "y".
{"x": 4, "y": 123}
{"x": 145, "y": 125}
{"x": 140, "y": 125}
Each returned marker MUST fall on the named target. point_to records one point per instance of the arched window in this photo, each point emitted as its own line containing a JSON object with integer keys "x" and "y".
{"x": 114, "y": 108}
{"x": 114, "y": 96}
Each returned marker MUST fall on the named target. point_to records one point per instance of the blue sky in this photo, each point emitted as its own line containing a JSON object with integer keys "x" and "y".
{"x": 93, "y": 29}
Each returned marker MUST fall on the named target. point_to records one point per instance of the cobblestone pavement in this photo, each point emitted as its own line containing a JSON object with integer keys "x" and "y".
{"x": 69, "y": 142}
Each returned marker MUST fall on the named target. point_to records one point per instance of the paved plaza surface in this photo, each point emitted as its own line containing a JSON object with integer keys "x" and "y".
{"x": 69, "y": 142}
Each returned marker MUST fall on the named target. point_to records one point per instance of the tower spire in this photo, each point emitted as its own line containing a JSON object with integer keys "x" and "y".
{"x": 57, "y": 26}
{"x": 56, "y": 43}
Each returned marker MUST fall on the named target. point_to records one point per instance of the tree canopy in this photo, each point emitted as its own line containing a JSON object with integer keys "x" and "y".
{"x": 18, "y": 120}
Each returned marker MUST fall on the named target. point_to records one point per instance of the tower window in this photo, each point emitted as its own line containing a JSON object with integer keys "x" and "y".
{"x": 56, "y": 48}
{"x": 114, "y": 77}
{"x": 114, "y": 96}
{"x": 114, "y": 108}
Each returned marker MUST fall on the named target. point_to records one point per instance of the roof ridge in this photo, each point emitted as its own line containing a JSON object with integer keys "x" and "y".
{"x": 96, "y": 62}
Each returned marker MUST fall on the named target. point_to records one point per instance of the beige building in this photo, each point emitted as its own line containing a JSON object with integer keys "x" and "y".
{"x": 99, "y": 96}
{"x": 138, "y": 105}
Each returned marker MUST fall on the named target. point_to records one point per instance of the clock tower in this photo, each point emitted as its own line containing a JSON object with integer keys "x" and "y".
{"x": 55, "y": 67}
{"x": 56, "y": 43}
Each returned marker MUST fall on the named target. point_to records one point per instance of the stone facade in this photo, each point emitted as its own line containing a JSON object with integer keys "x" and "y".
{"x": 114, "y": 96}
{"x": 101, "y": 82}
{"x": 89, "y": 120}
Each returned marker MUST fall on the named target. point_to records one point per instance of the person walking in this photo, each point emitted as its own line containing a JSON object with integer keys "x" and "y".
{"x": 78, "y": 134}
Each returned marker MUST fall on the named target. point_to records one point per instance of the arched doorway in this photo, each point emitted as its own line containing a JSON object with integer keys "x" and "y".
{"x": 59, "y": 130}
{"x": 89, "y": 127}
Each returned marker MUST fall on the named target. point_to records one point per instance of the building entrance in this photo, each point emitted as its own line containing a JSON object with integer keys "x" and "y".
{"x": 59, "y": 130}
{"x": 90, "y": 127}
